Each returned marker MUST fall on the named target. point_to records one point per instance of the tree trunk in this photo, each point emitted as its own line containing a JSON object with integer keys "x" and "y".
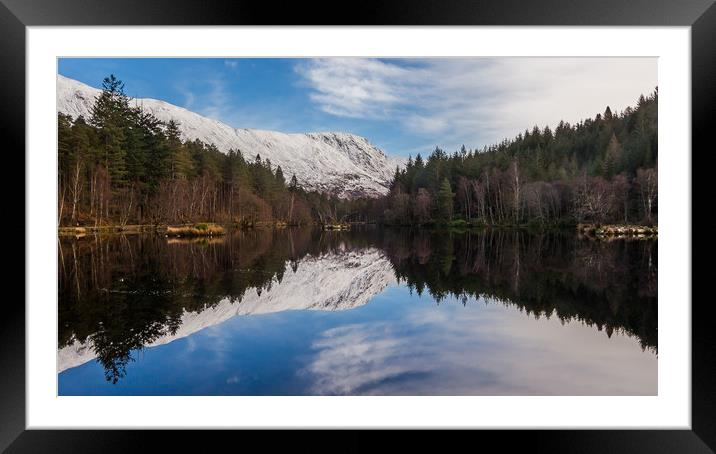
{"x": 75, "y": 191}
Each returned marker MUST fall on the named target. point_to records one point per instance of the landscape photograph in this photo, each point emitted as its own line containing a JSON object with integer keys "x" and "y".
{"x": 357, "y": 226}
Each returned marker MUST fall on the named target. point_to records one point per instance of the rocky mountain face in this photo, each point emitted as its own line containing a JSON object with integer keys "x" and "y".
{"x": 343, "y": 164}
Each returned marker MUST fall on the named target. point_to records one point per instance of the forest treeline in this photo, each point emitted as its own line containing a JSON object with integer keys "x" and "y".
{"x": 124, "y": 166}
{"x": 598, "y": 170}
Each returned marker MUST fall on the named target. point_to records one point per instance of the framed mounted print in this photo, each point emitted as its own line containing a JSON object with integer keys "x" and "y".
{"x": 424, "y": 218}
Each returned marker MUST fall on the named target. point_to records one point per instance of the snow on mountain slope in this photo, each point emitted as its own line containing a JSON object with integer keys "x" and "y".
{"x": 339, "y": 163}
{"x": 330, "y": 282}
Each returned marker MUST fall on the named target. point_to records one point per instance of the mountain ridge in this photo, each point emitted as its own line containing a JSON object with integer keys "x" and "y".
{"x": 338, "y": 163}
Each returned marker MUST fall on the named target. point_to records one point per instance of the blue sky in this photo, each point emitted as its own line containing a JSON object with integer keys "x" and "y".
{"x": 404, "y": 106}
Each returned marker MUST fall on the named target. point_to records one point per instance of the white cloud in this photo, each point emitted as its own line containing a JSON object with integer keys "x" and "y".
{"x": 190, "y": 99}
{"x": 209, "y": 97}
{"x": 477, "y": 101}
{"x": 360, "y": 88}
{"x": 216, "y": 101}
{"x": 478, "y": 349}
{"x": 214, "y": 97}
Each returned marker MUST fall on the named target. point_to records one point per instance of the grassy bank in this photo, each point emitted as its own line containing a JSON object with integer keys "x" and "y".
{"x": 594, "y": 231}
{"x": 187, "y": 230}
{"x": 194, "y": 230}
{"x": 172, "y": 230}
{"x": 107, "y": 229}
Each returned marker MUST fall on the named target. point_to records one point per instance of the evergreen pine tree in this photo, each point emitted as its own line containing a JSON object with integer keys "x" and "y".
{"x": 279, "y": 177}
{"x": 612, "y": 158}
{"x": 445, "y": 200}
{"x": 109, "y": 115}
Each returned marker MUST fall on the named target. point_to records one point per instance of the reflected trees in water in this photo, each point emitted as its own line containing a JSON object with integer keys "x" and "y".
{"x": 120, "y": 293}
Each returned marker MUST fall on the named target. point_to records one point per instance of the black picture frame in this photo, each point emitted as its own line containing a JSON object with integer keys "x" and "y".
{"x": 699, "y": 15}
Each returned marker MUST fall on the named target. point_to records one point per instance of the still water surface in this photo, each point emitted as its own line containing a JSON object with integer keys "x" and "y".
{"x": 370, "y": 311}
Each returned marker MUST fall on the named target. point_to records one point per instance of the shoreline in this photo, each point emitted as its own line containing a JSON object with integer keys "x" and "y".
{"x": 189, "y": 229}
{"x": 608, "y": 232}
{"x": 590, "y": 231}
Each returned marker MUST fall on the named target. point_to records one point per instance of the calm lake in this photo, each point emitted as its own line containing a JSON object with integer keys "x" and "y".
{"x": 372, "y": 311}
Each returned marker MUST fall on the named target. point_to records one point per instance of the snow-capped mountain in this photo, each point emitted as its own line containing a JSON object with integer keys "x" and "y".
{"x": 330, "y": 282}
{"x": 339, "y": 163}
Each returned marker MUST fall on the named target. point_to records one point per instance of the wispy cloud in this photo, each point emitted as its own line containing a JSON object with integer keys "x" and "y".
{"x": 216, "y": 98}
{"x": 216, "y": 101}
{"x": 357, "y": 88}
{"x": 190, "y": 99}
{"x": 478, "y": 349}
{"x": 475, "y": 100}
{"x": 209, "y": 97}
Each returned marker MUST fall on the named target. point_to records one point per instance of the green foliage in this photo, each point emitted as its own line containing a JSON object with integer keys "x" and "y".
{"x": 533, "y": 177}
{"x": 125, "y": 165}
{"x": 445, "y": 201}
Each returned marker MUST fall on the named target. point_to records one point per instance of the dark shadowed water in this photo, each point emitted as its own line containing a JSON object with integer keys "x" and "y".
{"x": 370, "y": 311}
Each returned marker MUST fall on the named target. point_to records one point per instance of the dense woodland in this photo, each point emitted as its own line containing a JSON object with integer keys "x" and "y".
{"x": 123, "y": 166}
{"x": 599, "y": 170}
{"x": 123, "y": 292}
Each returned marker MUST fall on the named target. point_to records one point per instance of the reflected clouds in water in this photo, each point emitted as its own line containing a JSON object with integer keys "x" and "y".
{"x": 480, "y": 348}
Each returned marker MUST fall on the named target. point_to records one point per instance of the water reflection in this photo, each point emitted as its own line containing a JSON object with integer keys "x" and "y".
{"x": 612, "y": 286}
{"x": 120, "y": 295}
{"x": 480, "y": 349}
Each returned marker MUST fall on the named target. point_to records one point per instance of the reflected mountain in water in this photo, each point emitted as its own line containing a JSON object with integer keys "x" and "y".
{"x": 331, "y": 282}
{"x": 121, "y": 294}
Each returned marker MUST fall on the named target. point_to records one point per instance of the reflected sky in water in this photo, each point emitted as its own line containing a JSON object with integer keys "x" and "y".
{"x": 399, "y": 343}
